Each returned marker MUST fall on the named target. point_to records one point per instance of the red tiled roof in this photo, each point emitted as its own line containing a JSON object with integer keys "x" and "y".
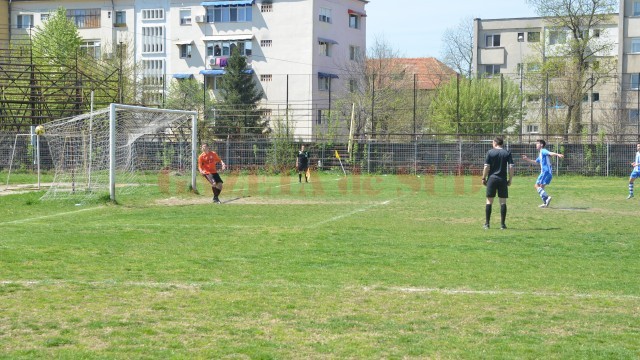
{"x": 430, "y": 72}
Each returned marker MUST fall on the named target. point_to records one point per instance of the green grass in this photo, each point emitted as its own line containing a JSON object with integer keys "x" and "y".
{"x": 368, "y": 267}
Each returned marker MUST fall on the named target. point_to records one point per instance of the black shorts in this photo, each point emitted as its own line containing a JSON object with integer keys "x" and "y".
{"x": 303, "y": 168}
{"x": 213, "y": 178}
{"x": 499, "y": 185}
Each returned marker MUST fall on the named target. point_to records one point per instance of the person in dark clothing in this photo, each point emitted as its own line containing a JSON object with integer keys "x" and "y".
{"x": 496, "y": 176}
{"x": 302, "y": 164}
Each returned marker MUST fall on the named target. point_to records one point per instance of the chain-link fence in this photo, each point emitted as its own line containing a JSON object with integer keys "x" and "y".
{"x": 422, "y": 155}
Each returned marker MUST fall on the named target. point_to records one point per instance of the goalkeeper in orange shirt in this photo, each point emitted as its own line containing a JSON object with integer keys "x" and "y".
{"x": 207, "y": 162}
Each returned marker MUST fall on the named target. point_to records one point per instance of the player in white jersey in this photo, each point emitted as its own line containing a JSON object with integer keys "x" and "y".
{"x": 635, "y": 173}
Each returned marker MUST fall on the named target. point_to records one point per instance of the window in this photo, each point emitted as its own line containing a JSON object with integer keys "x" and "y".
{"x": 585, "y": 98}
{"x": 553, "y": 101}
{"x": 353, "y": 85}
{"x": 266, "y": 43}
{"x": 25, "y": 21}
{"x": 185, "y": 16}
{"x": 520, "y": 37}
{"x": 325, "y": 15}
{"x": 596, "y": 33}
{"x": 633, "y": 116}
{"x": 325, "y": 48}
{"x": 492, "y": 69}
{"x": 635, "y": 81}
{"x": 354, "y": 53}
{"x": 44, "y": 17}
{"x": 153, "y": 14}
{"x": 636, "y": 8}
{"x": 233, "y": 13}
{"x": 595, "y": 97}
{"x": 264, "y": 7}
{"x": 533, "y": 98}
{"x": 84, "y": 18}
{"x": 152, "y": 72}
{"x": 91, "y": 48}
{"x": 557, "y": 37}
{"x": 266, "y": 113}
{"x": 532, "y": 129}
{"x": 152, "y": 39}
{"x": 492, "y": 40}
{"x": 120, "y": 19}
{"x": 324, "y": 83}
{"x": 533, "y": 67}
{"x": 212, "y": 82}
{"x": 354, "y": 21}
{"x": 185, "y": 50}
{"x": 585, "y": 35}
{"x": 533, "y": 36}
{"x": 322, "y": 116}
{"x": 224, "y": 48}
{"x": 635, "y": 45}
{"x": 266, "y": 77}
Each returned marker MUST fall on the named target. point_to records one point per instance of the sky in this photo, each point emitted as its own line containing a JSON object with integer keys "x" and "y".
{"x": 414, "y": 28}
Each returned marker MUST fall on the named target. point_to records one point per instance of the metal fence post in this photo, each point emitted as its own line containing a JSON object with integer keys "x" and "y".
{"x": 608, "y": 159}
{"x": 368, "y": 156}
{"x": 415, "y": 156}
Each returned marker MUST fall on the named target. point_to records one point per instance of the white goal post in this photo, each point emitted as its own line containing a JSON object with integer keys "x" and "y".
{"x": 114, "y": 148}
{"x": 113, "y": 108}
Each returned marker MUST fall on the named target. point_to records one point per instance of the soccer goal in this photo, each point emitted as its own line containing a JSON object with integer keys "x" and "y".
{"x": 122, "y": 147}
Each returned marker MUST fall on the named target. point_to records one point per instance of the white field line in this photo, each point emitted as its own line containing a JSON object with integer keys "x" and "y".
{"x": 275, "y": 186}
{"x": 20, "y": 221}
{"x": 200, "y": 285}
{"x": 350, "y": 213}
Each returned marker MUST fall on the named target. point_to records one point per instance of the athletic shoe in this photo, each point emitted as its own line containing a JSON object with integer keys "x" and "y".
{"x": 543, "y": 205}
{"x": 546, "y": 203}
{"x": 216, "y": 200}
{"x": 630, "y": 197}
{"x": 486, "y": 226}
{"x": 503, "y": 227}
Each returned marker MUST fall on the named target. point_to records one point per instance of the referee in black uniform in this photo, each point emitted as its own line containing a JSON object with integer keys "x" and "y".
{"x": 302, "y": 164}
{"x": 498, "y": 163}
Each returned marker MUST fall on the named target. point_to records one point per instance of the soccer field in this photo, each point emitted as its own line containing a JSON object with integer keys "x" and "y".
{"x": 357, "y": 267}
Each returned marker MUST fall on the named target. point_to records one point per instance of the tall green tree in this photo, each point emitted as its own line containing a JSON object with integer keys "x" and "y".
{"x": 57, "y": 41}
{"x": 237, "y": 113}
{"x": 475, "y": 106}
{"x": 577, "y": 54}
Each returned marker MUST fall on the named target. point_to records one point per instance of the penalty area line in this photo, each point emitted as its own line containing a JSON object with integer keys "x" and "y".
{"x": 350, "y": 213}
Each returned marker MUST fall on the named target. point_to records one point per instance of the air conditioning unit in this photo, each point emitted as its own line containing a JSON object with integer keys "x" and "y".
{"x": 211, "y": 61}
{"x": 201, "y": 18}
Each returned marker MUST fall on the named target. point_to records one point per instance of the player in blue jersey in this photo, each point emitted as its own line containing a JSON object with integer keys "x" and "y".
{"x": 546, "y": 172}
{"x": 635, "y": 173}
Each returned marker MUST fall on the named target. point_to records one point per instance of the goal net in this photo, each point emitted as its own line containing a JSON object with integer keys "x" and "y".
{"x": 122, "y": 147}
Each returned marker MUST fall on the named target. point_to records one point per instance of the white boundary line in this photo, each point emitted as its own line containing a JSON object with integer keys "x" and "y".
{"x": 20, "y": 221}
{"x": 200, "y": 285}
{"x": 350, "y": 213}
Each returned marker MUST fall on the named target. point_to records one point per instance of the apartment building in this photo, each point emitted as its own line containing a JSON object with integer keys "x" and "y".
{"x": 509, "y": 48}
{"x": 296, "y": 50}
